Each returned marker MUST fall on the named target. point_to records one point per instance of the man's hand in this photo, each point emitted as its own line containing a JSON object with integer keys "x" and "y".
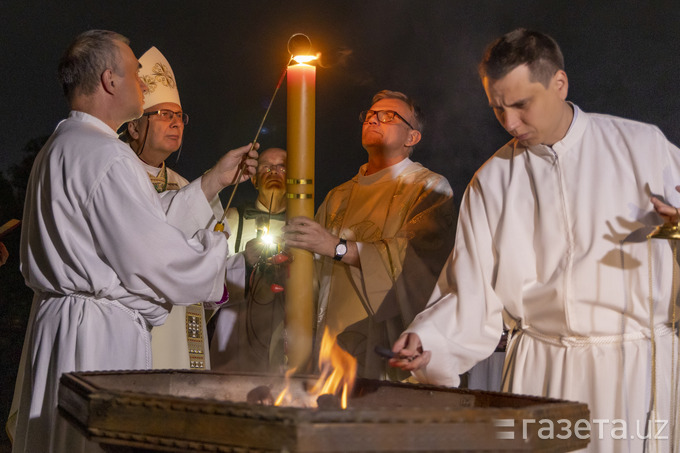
{"x": 409, "y": 353}
{"x": 669, "y": 213}
{"x": 306, "y": 234}
{"x": 225, "y": 171}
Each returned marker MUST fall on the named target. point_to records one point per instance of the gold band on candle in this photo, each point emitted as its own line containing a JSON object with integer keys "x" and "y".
{"x": 300, "y": 196}
{"x": 291, "y": 182}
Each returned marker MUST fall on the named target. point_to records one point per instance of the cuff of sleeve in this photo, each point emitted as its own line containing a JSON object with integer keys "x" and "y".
{"x": 442, "y": 369}
{"x": 218, "y": 304}
{"x": 225, "y": 296}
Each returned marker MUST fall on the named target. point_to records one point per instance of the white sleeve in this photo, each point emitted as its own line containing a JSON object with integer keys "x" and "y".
{"x": 151, "y": 257}
{"x": 462, "y": 323}
{"x": 188, "y": 209}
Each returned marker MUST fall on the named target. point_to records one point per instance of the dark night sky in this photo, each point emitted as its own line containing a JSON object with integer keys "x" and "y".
{"x": 622, "y": 58}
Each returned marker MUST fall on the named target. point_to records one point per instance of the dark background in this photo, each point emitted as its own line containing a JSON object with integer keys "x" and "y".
{"x": 622, "y": 57}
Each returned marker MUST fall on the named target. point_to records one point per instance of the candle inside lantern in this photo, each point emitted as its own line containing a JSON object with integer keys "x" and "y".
{"x": 301, "y": 89}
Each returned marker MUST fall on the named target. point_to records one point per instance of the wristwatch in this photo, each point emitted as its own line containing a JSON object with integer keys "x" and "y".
{"x": 340, "y": 249}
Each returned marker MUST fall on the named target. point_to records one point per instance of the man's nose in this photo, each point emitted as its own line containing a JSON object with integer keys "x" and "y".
{"x": 176, "y": 120}
{"x": 511, "y": 120}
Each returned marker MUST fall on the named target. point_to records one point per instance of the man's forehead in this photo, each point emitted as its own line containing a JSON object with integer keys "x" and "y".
{"x": 519, "y": 76}
{"x": 514, "y": 86}
{"x": 272, "y": 154}
{"x": 164, "y": 106}
{"x": 391, "y": 104}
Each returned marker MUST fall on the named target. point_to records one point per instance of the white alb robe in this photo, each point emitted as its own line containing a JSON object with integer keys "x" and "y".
{"x": 402, "y": 220}
{"x": 105, "y": 264}
{"x": 552, "y": 240}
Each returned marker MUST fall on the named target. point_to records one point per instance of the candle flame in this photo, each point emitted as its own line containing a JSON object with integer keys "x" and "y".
{"x": 302, "y": 59}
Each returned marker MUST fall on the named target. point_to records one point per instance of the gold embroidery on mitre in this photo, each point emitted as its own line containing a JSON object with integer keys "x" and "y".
{"x": 159, "y": 74}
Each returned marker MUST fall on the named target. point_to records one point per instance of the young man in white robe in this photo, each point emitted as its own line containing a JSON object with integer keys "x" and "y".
{"x": 248, "y": 330}
{"x": 181, "y": 342}
{"x": 98, "y": 245}
{"x": 551, "y": 241}
{"x": 381, "y": 238}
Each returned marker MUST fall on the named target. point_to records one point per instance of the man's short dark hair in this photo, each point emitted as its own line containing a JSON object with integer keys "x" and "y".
{"x": 418, "y": 122}
{"x": 538, "y": 51}
{"x": 88, "y": 56}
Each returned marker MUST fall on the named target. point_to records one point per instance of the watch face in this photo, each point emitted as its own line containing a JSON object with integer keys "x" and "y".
{"x": 341, "y": 249}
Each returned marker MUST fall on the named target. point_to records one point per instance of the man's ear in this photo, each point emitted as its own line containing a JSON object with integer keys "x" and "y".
{"x": 561, "y": 83}
{"x": 414, "y": 137}
{"x": 108, "y": 82}
{"x": 253, "y": 179}
{"x": 133, "y": 129}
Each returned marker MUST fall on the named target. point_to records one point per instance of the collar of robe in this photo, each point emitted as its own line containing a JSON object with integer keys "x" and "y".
{"x": 160, "y": 182}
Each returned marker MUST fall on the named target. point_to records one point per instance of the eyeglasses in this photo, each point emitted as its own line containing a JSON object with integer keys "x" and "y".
{"x": 384, "y": 116}
{"x": 169, "y": 115}
{"x": 280, "y": 168}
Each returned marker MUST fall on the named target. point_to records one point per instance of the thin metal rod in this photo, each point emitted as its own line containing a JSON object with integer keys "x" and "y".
{"x": 269, "y": 214}
{"x": 259, "y": 129}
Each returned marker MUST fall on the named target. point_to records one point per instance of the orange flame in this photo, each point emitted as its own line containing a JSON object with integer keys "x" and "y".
{"x": 338, "y": 369}
{"x": 284, "y": 392}
{"x": 338, "y": 373}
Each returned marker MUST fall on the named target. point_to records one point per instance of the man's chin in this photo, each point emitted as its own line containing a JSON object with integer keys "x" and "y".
{"x": 526, "y": 142}
{"x": 376, "y": 143}
{"x": 169, "y": 152}
{"x": 137, "y": 115}
{"x": 276, "y": 190}
{"x": 274, "y": 181}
